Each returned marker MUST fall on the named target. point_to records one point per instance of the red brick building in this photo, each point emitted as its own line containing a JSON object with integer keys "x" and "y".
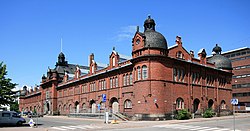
{"x": 241, "y": 79}
{"x": 154, "y": 83}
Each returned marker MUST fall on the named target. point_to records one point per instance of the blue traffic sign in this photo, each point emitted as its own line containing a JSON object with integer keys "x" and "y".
{"x": 234, "y": 101}
{"x": 103, "y": 97}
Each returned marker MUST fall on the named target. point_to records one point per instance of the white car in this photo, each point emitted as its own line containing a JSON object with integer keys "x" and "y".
{"x": 11, "y": 118}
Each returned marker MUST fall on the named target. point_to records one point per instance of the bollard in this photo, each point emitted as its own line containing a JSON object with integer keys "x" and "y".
{"x": 106, "y": 117}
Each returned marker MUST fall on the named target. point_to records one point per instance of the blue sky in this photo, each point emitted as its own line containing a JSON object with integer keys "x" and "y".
{"x": 31, "y": 30}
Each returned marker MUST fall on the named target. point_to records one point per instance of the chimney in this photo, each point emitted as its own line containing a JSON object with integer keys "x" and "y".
{"x": 178, "y": 40}
{"x": 91, "y": 58}
{"x": 191, "y": 53}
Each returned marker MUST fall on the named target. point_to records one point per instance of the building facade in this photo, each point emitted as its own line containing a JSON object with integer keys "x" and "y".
{"x": 241, "y": 79}
{"x": 154, "y": 83}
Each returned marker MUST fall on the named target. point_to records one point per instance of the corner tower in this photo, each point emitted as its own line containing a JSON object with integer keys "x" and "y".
{"x": 149, "y": 51}
{"x": 149, "y": 42}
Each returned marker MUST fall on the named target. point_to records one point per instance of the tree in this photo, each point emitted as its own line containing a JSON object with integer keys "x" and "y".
{"x": 14, "y": 106}
{"x": 7, "y": 96}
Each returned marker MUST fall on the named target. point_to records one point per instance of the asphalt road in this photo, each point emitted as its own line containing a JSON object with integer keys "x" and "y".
{"x": 53, "y": 121}
{"x": 61, "y": 123}
{"x": 241, "y": 124}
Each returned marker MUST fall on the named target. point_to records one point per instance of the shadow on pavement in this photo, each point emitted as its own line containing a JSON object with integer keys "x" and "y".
{"x": 23, "y": 125}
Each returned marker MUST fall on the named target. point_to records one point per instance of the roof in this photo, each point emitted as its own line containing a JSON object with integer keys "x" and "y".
{"x": 69, "y": 68}
{"x": 234, "y": 50}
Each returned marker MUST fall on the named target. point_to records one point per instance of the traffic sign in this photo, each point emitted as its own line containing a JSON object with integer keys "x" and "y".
{"x": 99, "y": 107}
{"x": 103, "y": 97}
{"x": 234, "y": 101}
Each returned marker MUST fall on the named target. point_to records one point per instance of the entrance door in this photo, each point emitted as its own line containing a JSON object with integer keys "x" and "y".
{"x": 93, "y": 107}
{"x": 115, "y": 107}
{"x": 196, "y": 105}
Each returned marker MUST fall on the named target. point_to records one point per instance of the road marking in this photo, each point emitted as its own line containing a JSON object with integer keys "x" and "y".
{"x": 192, "y": 128}
{"x": 67, "y": 127}
{"x": 57, "y": 128}
{"x": 83, "y": 127}
{"x": 223, "y": 129}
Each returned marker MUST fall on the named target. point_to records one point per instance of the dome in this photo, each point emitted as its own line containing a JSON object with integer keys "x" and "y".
{"x": 23, "y": 92}
{"x": 154, "y": 39}
{"x": 220, "y": 61}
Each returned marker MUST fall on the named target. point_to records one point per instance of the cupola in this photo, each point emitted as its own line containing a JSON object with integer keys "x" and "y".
{"x": 220, "y": 61}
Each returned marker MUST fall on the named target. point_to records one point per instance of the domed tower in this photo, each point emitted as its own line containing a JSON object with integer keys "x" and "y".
{"x": 150, "y": 41}
{"x": 61, "y": 60}
{"x": 149, "y": 52}
{"x": 220, "y": 61}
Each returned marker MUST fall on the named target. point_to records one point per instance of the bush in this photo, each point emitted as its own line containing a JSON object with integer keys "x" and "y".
{"x": 208, "y": 113}
{"x": 183, "y": 114}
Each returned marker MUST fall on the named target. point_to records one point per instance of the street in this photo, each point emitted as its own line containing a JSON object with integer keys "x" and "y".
{"x": 217, "y": 125}
{"x": 63, "y": 123}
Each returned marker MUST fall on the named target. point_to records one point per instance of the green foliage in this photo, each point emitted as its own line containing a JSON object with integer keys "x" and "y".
{"x": 183, "y": 114}
{"x": 14, "y": 107}
{"x": 7, "y": 96}
{"x": 208, "y": 113}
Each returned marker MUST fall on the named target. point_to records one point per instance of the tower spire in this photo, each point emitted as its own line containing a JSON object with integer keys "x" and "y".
{"x": 61, "y": 44}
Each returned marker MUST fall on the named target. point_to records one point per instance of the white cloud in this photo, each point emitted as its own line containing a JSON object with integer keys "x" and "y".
{"x": 125, "y": 33}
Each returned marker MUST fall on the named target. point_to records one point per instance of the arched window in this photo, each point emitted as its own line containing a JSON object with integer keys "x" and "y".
{"x": 127, "y": 104}
{"x": 179, "y": 103}
{"x": 179, "y": 55}
{"x": 60, "y": 108}
{"x": 64, "y": 107}
{"x": 223, "y": 104}
{"x": 138, "y": 73}
{"x": 144, "y": 72}
{"x": 70, "y": 107}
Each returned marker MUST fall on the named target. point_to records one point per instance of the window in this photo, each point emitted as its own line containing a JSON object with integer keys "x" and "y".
{"x": 111, "y": 82}
{"x": 195, "y": 78}
{"x": 144, "y": 72}
{"x": 47, "y": 94}
{"x": 131, "y": 79}
{"x": 84, "y": 88}
{"x": 116, "y": 82}
{"x": 179, "y": 55}
{"x": 64, "y": 107}
{"x": 175, "y": 74}
{"x": 179, "y": 103}
{"x": 183, "y": 75}
{"x": 5, "y": 114}
{"x": 127, "y": 104}
{"x": 127, "y": 77}
{"x": 138, "y": 73}
{"x": 70, "y": 108}
{"x": 210, "y": 80}
{"x": 92, "y": 86}
{"x": 113, "y": 61}
{"x": 124, "y": 80}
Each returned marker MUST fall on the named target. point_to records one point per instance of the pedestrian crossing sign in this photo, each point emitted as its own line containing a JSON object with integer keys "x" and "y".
{"x": 234, "y": 101}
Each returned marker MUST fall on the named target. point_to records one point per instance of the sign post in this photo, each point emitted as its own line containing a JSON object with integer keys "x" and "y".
{"x": 234, "y": 102}
{"x": 106, "y": 115}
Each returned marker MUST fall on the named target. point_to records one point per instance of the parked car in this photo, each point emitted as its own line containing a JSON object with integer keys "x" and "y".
{"x": 11, "y": 118}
